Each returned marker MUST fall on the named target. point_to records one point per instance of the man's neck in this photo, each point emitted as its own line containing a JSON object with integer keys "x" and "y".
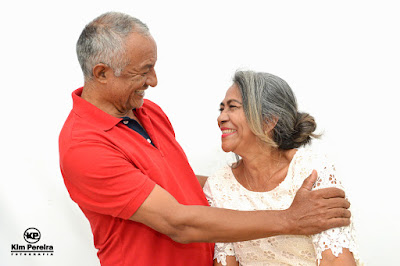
{"x": 92, "y": 94}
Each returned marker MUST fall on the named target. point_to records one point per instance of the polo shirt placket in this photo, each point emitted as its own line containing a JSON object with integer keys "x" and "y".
{"x": 134, "y": 125}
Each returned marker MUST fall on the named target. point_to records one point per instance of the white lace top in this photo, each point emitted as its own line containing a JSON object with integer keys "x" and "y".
{"x": 224, "y": 191}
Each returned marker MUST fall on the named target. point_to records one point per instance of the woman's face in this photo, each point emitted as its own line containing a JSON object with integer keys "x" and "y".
{"x": 236, "y": 134}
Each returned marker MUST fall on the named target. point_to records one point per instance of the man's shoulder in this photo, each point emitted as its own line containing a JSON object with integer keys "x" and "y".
{"x": 77, "y": 129}
{"x": 155, "y": 112}
{"x": 152, "y": 106}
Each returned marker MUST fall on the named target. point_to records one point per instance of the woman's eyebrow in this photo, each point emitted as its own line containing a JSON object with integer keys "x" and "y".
{"x": 233, "y": 100}
{"x": 229, "y": 102}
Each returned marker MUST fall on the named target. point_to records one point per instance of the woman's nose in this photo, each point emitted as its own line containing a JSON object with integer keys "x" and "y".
{"x": 222, "y": 118}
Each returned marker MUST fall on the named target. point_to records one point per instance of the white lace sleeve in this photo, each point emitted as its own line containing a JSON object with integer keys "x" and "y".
{"x": 334, "y": 239}
{"x": 221, "y": 250}
{"x": 207, "y": 192}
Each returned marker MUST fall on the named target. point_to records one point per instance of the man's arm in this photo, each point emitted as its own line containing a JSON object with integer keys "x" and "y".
{"x": 311, "y": 212}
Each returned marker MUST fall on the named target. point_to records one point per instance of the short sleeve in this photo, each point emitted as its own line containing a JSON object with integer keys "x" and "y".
{"x": 221, "y": 250}
{"x": 100, "y": 179}
{"x": 334, "y": 239}
{"x": 207, "y": 193}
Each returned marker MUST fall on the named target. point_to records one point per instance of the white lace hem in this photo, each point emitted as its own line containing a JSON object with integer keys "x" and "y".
{"x": 334, "y": 239}
{"x": 222, "y": 250}
{"x": 336, "y": 242}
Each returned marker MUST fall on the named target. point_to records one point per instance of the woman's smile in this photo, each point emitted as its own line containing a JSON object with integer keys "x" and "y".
{"x": 227, "y": 131}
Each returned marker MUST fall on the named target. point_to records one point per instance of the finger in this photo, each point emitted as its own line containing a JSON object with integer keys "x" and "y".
{"x": 330, "y": 192}
{"x": 310, "y": 180}
{"x": 337, "y": 222}
{"x": 338, "y": 213}
{"x": 337, "y": 203}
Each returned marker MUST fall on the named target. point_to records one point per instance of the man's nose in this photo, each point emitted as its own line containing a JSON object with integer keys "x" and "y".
{"x": 152, "y": 78}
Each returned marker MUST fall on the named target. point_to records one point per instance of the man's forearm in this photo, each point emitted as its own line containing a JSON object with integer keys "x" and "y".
{"x": 190, "y": 223}
{"x": 206, "y": 224}
{"x": 309, "y": 213}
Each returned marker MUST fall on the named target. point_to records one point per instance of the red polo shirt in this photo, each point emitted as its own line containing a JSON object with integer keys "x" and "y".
{"x": 109, "y": 170}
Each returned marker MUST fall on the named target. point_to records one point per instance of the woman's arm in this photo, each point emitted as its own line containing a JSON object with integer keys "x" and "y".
{"x": 344, "y": 259}
{"x": 336, "y": 245}
{"x": 224, "y": 253}
{"x": 230, "y": 261}
{"x": 202, "y": 179}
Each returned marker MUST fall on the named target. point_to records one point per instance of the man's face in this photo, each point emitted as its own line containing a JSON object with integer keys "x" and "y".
{"x": 127, "y": 90}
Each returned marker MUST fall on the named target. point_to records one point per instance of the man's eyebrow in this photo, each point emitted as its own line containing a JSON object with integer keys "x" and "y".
{"x": 148, "y": 66}
{"x": 144, "y": 68}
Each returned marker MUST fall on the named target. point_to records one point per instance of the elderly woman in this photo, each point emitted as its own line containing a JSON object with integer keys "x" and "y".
{"x": 261, "y": 124}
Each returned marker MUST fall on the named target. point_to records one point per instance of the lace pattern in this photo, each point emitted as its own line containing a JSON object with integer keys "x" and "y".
{"x": 222, "y": 250}
{"x": 222, "y": 190}
{"x": 337, "y": 238}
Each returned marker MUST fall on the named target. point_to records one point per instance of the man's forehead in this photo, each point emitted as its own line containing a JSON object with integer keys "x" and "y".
{"x": 142, "y": 51}
{"x": 147, "y": 63}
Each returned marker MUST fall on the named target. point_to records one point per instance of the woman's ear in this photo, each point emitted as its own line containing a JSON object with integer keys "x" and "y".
{"x": 269, "y": 125}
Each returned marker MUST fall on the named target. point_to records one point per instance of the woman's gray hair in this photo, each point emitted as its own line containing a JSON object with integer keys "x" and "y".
{"x": 103, "y": 41}
{"x": 269, "y": 99}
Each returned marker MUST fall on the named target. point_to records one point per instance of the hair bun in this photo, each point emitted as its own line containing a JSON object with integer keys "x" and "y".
{"x": 303, "y": 129}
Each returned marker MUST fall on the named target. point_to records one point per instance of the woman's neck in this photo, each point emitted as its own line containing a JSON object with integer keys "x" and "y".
{"x": 264, "y": 169}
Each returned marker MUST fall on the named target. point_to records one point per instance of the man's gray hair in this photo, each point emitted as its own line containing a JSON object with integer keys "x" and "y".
{"x": 269, "y": 99}
{"x": 103, "y": 41}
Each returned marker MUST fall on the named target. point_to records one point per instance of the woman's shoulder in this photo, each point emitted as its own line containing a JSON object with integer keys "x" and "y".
{"x": 312, "y": 157}
{"x": 315, "y": 159}
{"x": 218, "y": 187}
{"x": 222, "y": 174}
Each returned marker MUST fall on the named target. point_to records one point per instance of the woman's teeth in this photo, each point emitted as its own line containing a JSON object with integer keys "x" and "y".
{"x": 227, "y": 131}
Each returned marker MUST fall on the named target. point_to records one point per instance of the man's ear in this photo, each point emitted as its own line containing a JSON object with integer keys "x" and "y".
{"x": 101, "y": 72}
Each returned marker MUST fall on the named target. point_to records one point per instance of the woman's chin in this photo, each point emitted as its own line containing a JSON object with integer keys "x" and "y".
{"x": 226, "y": 149}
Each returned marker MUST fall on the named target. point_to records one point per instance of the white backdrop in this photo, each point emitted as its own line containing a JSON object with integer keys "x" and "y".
{"x": 340, "y": 57}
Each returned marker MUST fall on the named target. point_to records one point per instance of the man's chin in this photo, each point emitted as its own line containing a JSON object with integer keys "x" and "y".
{"x": 138, "y": 103}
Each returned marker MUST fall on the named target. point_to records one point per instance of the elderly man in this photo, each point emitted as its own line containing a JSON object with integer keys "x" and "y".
{"x": 122, "y": 165}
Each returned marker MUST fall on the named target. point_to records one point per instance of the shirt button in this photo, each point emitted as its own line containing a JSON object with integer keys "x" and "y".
{"x": 125, "y": 122}
{"x": 149, "y": 140}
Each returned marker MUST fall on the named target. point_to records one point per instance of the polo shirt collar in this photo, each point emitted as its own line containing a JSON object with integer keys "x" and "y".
{"x": 87, "y": 110}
